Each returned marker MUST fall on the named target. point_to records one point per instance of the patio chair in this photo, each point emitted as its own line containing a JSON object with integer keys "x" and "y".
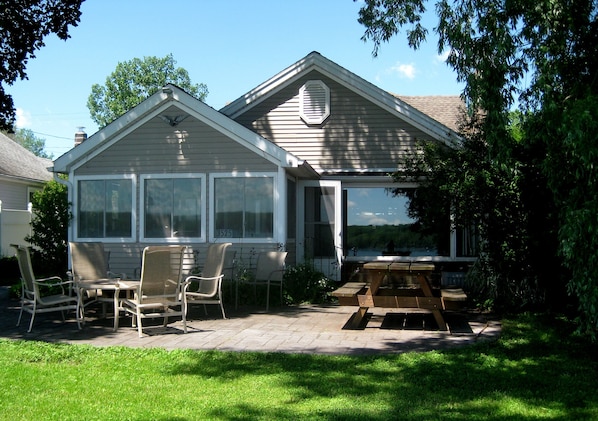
{"x": 160, "y": 292}
{"x": 90, "y": 263}
{"x": 42, "y": 295}
{"x": 206, "y": 288}
{"x": 269, "y": 270}
{"x": 229, "y": 270}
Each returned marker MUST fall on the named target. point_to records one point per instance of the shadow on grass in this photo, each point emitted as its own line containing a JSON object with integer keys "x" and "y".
{"x": 537, "y": 370}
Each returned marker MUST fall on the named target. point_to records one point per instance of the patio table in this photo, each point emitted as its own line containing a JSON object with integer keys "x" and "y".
{"x": 116, "y": 285}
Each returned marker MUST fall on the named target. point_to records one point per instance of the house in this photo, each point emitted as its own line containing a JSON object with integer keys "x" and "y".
{"x": 21, "y": 174}
{"x": 301, "y": 162}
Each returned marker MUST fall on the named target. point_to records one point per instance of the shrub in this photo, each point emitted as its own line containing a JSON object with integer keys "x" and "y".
{"x": 304, "y": 284}
{"x": 9, "y": 268}
{"x": 50, "y": 225}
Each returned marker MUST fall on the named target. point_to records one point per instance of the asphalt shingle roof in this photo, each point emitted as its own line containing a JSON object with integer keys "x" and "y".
{"x": 18, "y": 162}
{"x": 444, "y": 109}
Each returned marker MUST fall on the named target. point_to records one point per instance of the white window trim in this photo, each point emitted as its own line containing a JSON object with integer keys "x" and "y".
{"x": 177, "y": 240}
{"x": 275, "y": 216}
{"x": 309, "y": 118}
{"x": 75, "y": 222}
{"x": 30, "y": 191}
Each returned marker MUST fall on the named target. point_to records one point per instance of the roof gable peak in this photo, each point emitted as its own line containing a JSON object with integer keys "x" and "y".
{"x": 155, "y": 106}
{"x": 315, "y": 61}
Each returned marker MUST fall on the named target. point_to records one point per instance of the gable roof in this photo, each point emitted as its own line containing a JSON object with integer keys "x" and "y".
{"x": 169, "y": 96}
{"x": 19, "y": 163}
{"x": 439, "y": 127}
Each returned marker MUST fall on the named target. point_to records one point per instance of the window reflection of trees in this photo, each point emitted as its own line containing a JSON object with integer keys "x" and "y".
{"x": 244, "y": 207}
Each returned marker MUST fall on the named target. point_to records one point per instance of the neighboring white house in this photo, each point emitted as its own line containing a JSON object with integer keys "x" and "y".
{"x": 301, "y": 162}
{"x": 21, "y": 173}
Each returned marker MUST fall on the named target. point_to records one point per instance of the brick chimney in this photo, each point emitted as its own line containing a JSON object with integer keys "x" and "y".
{"x": 80, "y": 136}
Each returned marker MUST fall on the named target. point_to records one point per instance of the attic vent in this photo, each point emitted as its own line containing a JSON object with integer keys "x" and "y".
{"x": 314, "y": 102}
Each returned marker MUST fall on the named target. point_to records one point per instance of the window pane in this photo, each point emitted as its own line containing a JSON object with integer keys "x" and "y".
{"x": 259, "y": 207}
{"x": 118, "y": 208}
{"x": 244, "y": 207}
{"x": 228, "y": 193}
{"x": 319, "y": 222}
{"x": 377, "y": 223}
{"x": 105, "y": 208}
{"x": 91, "y": 209}
{"x": 187, "y": 207}
{"x": 158, "y": 208}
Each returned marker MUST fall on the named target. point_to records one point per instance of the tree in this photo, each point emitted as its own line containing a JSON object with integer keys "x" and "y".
{"x": 27, "y": 139}
{"x": 135, "y": 80}
{"x": 496, "y": 201}
{"x": 542, "y": 56}
{"x": 50, "y": 226}
{"x": 23, "y": 26}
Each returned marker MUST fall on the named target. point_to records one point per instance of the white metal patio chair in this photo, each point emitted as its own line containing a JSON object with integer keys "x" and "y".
{"x": 160, "y": 292}
{"x": 42, "y": 295}
{"x": 206, "y": 288}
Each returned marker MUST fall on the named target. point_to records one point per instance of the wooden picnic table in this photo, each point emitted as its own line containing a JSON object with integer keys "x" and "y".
{"x": 366, "y": 295}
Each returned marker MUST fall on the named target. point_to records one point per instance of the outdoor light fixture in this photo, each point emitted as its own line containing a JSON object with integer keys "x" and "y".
{"x": 173, "y": 120}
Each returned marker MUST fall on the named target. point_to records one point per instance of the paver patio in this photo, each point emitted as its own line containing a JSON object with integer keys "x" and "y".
{"x": 294, "y": 329}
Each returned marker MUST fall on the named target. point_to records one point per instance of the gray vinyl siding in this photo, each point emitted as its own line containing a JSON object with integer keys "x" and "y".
{"x": 14, "y": 195}
{"x": 357, "y": 136}
{"x": 127, "y": 259}
{"x": 156, "y": 147}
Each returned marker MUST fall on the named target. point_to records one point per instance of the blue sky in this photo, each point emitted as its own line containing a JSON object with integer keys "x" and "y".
{"x": 232, "y": 46}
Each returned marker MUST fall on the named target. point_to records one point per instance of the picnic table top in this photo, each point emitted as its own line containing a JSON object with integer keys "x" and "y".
{"x": 400, "y": 266}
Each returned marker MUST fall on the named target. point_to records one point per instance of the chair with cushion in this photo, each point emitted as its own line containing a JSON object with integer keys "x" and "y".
{"x": 206, "y": 288}
{"x": 160, "y": 292}
{"x": 42, "y": 295}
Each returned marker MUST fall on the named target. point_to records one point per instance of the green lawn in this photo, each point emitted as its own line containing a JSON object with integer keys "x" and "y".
{"x": 536, "y": 371}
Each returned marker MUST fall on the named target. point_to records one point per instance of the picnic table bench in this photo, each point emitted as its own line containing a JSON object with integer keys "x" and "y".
{"x": 373, "y": 294}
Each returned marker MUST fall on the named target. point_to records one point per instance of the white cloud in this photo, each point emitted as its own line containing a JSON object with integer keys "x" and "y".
{"x": 441, "y": 58}
{"x": 404, "y": 70}
{"x": 23, "y": 118}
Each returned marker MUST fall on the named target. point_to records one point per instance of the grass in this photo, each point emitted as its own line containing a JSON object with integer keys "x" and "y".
{"x": 537, "y": 370}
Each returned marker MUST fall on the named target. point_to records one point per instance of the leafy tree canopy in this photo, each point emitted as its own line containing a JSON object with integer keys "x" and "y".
{"x": 540, "y": 55}
{"x": 27, "y": 139}
{"x": 135, "y": 80}
{"x": 23, "y": 26}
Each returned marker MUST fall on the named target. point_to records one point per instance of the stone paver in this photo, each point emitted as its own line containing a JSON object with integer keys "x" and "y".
{"x": 297, "y": 329}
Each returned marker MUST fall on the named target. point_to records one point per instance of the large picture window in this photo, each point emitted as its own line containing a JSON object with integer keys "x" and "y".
{"x": 378, "y": 224}
{"x": 244, "y": 207}
{"x": 105, "y": 208}
{"x": 172, "y": 207}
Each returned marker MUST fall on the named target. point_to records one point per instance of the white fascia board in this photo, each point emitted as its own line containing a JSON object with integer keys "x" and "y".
{"x": 159, "y": 103}
{"x": 241, "y": 134}
{"x": 387, "y": 102}
{"x": 315, "y": 61}
{"x": 269, "y": 87}
{"x": 99, "y": 141}
{"x": 22, "y": 180}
